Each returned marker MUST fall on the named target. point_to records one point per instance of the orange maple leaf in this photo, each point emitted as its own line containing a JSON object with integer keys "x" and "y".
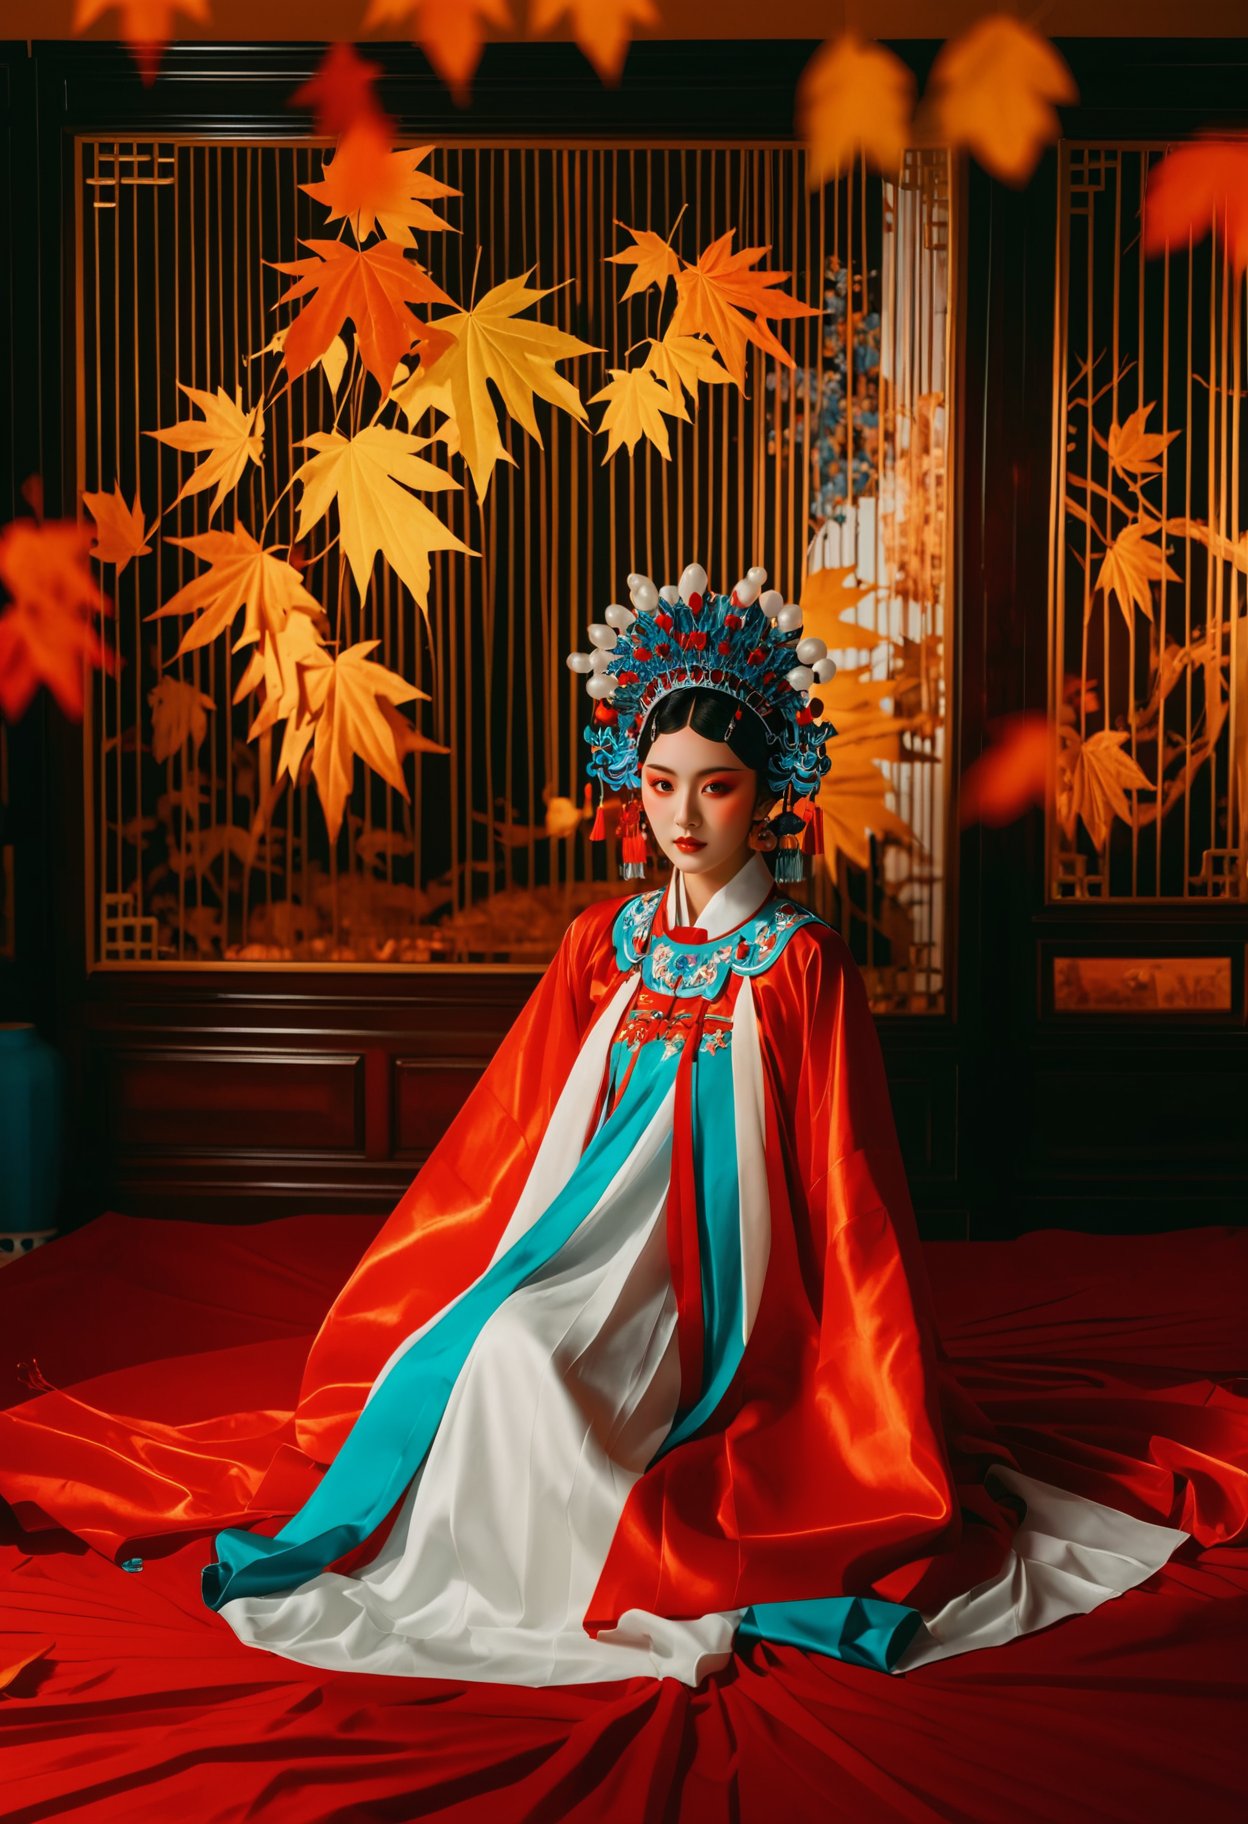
{"x": 231, "y": 436}
{"x": 47, "y": 633}
{"x": 854, "y": 97}
{"x": 449, "y": 32}
{"x": 146, "y": 25}
{"x": 1133, "y": 450}
{"x": 1012, "y": 775}
{"x": 370, "y": 288}
{"x": 656, "y": 260}
{"x": 1197, "y": 188}
{"x": 373, "y": 187}
{"x": 119, "y": 529}
{"x": 341, "y": 92}
{"x": 1128, "y": 566}
{"x": 993, "y": 87}
{"x": 241, "y": 575}
{"x": 713, "y": 295}
{"x": 602, "y": 28}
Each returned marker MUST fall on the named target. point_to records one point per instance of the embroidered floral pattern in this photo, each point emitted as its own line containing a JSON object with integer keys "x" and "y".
{"x": 689, "y": 970}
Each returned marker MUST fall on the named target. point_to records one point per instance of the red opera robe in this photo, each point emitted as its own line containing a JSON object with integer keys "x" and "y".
{"x": 843, "y": 1460}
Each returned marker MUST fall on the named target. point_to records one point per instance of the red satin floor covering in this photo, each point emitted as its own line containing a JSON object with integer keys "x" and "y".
{"x": 141, "y": 1705}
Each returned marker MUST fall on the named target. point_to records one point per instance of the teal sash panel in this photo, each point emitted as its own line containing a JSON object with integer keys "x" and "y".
{"x": 861, "y": 1630}
{"x": 719, "y": 1237}
{"x": 391, "y": 1437}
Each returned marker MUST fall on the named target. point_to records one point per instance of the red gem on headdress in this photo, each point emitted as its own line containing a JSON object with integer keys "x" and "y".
{"x": 697, "y": 640}
{"x": 664, "y": 621}
{"x": 641, "y": 652}
{"x": 663, "y": 650}
{"x": 769, "y": 677}
{"x": 626, "y": 677}
{"x": 725, "y": 647}
{"x": 755, "y": 657}
{"x": 694, "y": 602}
{"x": 603, "y": 712}
{"x": 732, "y": 621}
{"x": 803, "y": 716}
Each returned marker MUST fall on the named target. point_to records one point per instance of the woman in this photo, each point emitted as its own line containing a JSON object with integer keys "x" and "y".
{"x": 643, "y": 1365}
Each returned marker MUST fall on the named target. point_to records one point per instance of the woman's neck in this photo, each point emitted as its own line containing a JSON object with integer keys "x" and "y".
{"x": 701, "y": 888}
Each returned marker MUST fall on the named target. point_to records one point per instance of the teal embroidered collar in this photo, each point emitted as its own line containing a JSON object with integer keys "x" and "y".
{"x": 685, "y": 970}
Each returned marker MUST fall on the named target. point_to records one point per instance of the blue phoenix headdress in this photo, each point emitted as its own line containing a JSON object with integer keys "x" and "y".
{"x": 747, "y": 645}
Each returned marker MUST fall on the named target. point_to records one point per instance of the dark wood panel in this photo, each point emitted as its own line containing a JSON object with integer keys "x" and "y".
{"x": 232, "y": 1101}
{"x": 428, "y": 1094}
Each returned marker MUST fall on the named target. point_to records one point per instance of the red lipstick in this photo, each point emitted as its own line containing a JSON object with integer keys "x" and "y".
{"x": 689, "y": 844}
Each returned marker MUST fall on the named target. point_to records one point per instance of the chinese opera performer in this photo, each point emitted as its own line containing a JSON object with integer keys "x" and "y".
{"x": 644, "y": 1368}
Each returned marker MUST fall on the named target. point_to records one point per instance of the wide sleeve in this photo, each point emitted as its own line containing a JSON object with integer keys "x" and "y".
{"x": 912, "y": 1445}
{"x": 444, "y": 1231}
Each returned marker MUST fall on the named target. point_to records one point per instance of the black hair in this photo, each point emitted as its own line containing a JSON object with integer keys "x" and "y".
{"x": 716, "y": 716}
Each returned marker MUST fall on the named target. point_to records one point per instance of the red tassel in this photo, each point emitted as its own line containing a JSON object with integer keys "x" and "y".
{"x": 812, "y": 835}
{"x": 632, "y": 841}
{"x": 598, "y": 829}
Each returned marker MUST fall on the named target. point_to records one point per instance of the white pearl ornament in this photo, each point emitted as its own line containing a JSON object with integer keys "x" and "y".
{"x": 811, "y": 649}
{"x": 800, "y": 678}
{"x": 789, "y": 618}
{"x": 580, "y": 661}
{"x": 825, "y": 670}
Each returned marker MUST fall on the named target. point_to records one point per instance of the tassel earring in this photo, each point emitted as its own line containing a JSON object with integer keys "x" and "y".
{"x": 790, "y": 827}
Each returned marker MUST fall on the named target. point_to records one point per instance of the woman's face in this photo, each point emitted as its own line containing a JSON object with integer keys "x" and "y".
{"x": 700, "y": 801}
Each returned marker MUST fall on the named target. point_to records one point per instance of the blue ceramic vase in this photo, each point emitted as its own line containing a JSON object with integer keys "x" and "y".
{"x": 30, "y": 1140}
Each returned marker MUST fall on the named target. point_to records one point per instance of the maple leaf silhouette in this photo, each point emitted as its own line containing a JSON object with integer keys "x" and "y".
{"x": 602, "y": 28}
{"x": 341, "y": 92}
{"x": 493, "y": 344}
{"x": 231, "y": 436}
{"x": 715, "y": 294}
{"x": 369, "y": 287}
{"x": 342, "y": 714}
{"x": 449, "y": 32}
{"x": 241, "y": 577}
{"x": 370, "y": 186}
{"x": 119, "y": 529}
{"x": 1198, "y": 187}
{"x": 993, "y": 89}
{"x": 636, "y": 404}
{"x": 146, "y": 25}
{"x": 654, "y": 260}
{"x": 48, "y": 633}
{"x": 368, "y": 476}
{"x": 854, "y": 98}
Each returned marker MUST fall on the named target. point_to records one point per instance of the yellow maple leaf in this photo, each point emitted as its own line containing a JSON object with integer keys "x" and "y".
{"x": 655, "y": 260}
{"x": 825, "y": 597}
{"x": 714, "y": 294}
{"x": 1094, "y": 782}
{"x": 119, "y": 531}
{"x": 679, "y": 362}
{"x": 233, "y": 437}
{"x": 1133, "y": 450}
{"x": 1128, "y": 566}
{"x": 371, "y": 187}
{"x": 179, "y": 715}
{"x": 368, "y": 477}
{"x": 636, "y": 403}
{"x": 993, "y": 89}
{"x": 851, "y": 803}
{"x": 341, "y": 713}
{"x": 449, "y": 32}
{"x": 491, "y": 343}
{"x": 146, "y": 25}
{"x": 241, "y": 576}
{"x": 602, "y": 28}
{"x": 853, "y": 98}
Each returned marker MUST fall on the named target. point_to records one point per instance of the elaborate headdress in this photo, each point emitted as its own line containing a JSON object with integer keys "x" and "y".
{"x": 747, "y": 645}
